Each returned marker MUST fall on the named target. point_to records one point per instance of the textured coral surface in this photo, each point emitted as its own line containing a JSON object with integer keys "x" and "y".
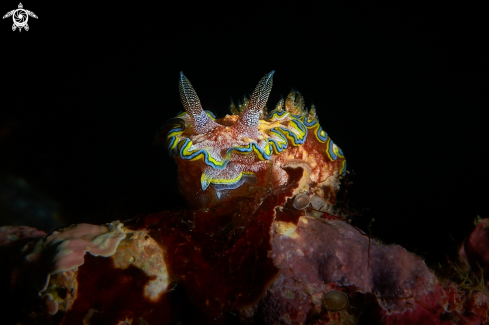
{"x": 475, "y": 250}
{"x": 268, "y": 264}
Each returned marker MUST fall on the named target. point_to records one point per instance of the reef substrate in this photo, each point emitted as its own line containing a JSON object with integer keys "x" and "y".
{"x": 249, "y": 260}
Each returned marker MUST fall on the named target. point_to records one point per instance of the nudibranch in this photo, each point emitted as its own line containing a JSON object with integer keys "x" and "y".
{"x": 246, "y": 152}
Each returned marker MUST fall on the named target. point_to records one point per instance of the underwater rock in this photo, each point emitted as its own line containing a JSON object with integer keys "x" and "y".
{"x": 475, "y": 250}
{"x": 271, "y": 264}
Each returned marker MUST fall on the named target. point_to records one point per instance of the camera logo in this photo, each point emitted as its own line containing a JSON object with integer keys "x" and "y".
{"x": 20, "y": 17}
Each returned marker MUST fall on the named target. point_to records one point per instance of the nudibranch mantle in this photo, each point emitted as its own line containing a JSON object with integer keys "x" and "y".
{"x": 245, "y": 152}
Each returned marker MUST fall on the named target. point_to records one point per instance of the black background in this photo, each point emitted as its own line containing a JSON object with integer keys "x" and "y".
{"x": 402, "y": 90}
